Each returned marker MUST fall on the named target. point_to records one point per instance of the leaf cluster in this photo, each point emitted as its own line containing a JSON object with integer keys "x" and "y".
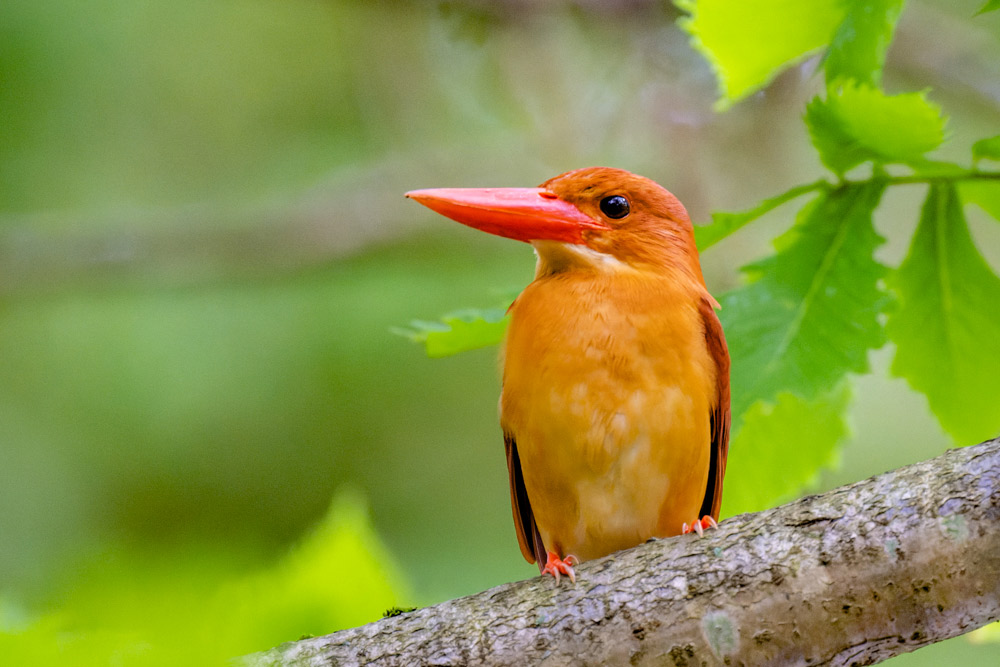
{"x": 200, "y": 612}
{"x": 808, "y": 316}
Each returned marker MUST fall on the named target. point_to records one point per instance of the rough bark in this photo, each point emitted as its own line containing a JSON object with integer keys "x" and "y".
{"x": 850, "y": 577}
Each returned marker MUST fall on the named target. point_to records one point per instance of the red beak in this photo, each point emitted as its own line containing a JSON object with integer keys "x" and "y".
{"x": 523, "y": 214}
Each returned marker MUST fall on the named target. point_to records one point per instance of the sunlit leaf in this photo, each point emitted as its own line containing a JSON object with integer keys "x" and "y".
{"x": 947, "y": 322}
{"x": 339, "y": 576}
{"x": 988, "y": 634}
{"x": 987, "y": 148}
{"x": 991, "y": 5}
{"x": 837, "y": 148}
{"x": 723, "y": 224}
{"x": 768, "y": 462}
{"x": 810, "y": 314}
{"x": 984, "y": 194}
{"x": 857, "y": 123}
{"x": 459, "y": 331}
{"x": 748, "y": 42}
{"x": 860, "y": 43}
{"x": 144, "y": 612}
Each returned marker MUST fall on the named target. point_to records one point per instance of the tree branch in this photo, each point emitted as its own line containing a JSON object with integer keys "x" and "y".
{"x": 850, "y": 577}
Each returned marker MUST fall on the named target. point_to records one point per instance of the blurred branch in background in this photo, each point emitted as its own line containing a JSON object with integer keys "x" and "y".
{"x": 191, "y": 245}
{"x": 357, "y": 205}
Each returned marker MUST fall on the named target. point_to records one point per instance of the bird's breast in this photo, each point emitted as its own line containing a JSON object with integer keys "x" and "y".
{"x": 606, "y": 391}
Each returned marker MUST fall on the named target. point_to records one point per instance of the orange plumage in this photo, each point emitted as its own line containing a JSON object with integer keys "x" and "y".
{"x": 615, "y": 400}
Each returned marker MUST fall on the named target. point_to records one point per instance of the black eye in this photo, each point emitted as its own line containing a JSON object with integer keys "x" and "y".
{"x": 614, "y": 206}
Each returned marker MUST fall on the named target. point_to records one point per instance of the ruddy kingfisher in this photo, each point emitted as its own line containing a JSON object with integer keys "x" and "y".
{"x": 615, "y": 397}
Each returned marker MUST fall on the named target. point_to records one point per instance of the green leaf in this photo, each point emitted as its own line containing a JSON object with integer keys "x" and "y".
{"x": 859, "y": 46}
{"x": 768, "y": 463}
{"x": 206, "y": 610}
{"x": 988, "y": 634}
{"x": 811, "y": 313}
{"x": 990, "y": 6}
{"x": 985, "y": 194}
{"x": 724, "y": 224}
{"x": 857, "y": 123}
{"x": 947, "y": 324}
{"x": 838, "y": 150}
{"x": 340, "y": 575}
{"x": 459, "y": 331}
{"x": 986, "y": 148}
{"x": 748, "y": 42}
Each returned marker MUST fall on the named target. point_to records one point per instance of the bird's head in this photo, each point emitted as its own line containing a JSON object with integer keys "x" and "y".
{"x": 596, "y": 217}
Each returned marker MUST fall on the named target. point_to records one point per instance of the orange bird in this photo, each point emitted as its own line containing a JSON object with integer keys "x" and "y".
{"x": 615, "y": 400}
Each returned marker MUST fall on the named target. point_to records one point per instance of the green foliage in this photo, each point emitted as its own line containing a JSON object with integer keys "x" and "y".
{"x": 946, "y": 326}
{"x": 988, "y": 149}
{"x": 988, "y": 634}
{"x": 462, "y": 330}
{"x": 810, "y": 314}
{"x": 748, "y": 42}
{"x": 984, "y": 194}
{"x": 857, "y": 123}
{"x": 167, "y": 609}
{"x": 724, "y": 224}
{"x": 760, "y": 474}
{"x": 991, "y": 5}
{"x": 857, "y": 50}
{"x": 802, "y": 329}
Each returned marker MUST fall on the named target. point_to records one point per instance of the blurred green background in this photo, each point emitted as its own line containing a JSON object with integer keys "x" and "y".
{"x": 204, "y": 244}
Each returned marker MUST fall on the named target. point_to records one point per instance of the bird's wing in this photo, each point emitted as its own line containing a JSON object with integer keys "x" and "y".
{"x": 528, "y": 536}
{"x": 716, "y": 342}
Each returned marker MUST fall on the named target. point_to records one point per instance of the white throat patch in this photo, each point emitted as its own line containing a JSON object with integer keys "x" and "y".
{"x": 554, "y": 256}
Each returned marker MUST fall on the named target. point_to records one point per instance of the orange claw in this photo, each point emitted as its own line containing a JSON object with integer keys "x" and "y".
{"x": 555, "y": 566}
{"x": 700, "y": 526}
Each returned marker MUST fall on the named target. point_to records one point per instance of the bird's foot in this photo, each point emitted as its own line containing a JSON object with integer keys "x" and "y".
{"x": 556, "y": 566}
{"x": 700, "y": 526}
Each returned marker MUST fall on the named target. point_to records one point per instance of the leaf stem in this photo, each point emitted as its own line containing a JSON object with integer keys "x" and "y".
{"x": 724, "y": 224}
{"x": 971, "y": 175}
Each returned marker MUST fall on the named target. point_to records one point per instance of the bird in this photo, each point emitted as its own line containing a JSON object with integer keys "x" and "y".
{"x": 614, "y": 400}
